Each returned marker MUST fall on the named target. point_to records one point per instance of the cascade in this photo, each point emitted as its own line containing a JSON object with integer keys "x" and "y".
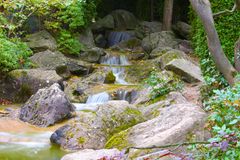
{"x": 117, "y": 64}
{"x": 116, "y": 37}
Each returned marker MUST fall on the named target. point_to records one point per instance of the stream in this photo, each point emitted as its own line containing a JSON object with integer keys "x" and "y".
{"x": 21, "y": 141}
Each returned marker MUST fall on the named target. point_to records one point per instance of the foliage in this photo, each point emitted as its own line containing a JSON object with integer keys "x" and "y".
{"x": 224, "y": 123}
{"x": 13, "y": 54}
{"x": 162, "y": 83}
{"x": 68, "y": 44}
{"x": 228, "y": 31}
{"x": 56, "y": 14}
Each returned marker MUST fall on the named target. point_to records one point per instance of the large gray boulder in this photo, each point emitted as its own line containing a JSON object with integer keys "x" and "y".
{"x": 48, "y": 59}
{"x": 159, "y": 39}
{"x": 41, "y": 41}
{"x": 183, "y": 29}
{"x": 92, "y": 55}
{"x": 124, "y": 20}
{"x": 86, "y": 38}
{"x": 109, "y": 118}
{"x": 90, "y": 154}
{"x": 173, "y": 125}
{"x": 47, "y": 107}
{"x": 189, "y": 71}
{"x": 20, "y": 84}
{"x": 105, "y": 23}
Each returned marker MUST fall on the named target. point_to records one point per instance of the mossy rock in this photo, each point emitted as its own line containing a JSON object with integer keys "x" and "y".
{"x": 110, "y": 78}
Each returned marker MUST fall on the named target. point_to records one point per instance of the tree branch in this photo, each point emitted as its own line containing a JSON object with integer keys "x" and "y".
{"x": 225, "y": 11}
{"x": 172, "y": 145}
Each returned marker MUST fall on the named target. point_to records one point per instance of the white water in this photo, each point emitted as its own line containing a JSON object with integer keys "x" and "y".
{"x": 93, "y": 101}
{"x": 117, "y": 62}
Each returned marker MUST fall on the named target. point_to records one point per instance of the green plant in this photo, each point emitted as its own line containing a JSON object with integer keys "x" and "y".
{"x": 224, "y": 125}
{"x": 68, "y": 44}
{"x": 228, "y": 33}
{"x": 13, "y": 54}
{"x": 162, "y": 83}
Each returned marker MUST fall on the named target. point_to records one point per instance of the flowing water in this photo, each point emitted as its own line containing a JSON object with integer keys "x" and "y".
{"x": 116, "y": 37}
{"x": 117, "y": 65}
{"x": 20, "y": 141}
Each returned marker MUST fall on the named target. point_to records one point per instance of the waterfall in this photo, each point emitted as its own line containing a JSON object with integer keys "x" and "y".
{"x": 98, "y": 98}
{"x": 126, "y": 95}
{"x": 116, "y": 37}
{"x": 117, "y": 62}
{"x": 92, "y": 101}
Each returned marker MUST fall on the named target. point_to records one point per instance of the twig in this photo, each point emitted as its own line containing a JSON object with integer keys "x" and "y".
{"x": 225, "y": 11}
{"x": 172, "y": 145}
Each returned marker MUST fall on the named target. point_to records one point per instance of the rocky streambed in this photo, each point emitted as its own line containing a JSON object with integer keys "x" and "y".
{"x": 97, "y": 105}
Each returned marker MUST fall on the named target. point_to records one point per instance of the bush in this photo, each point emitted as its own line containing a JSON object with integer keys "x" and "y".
{"x": 224, "y": 123}
{"x": 13, "y": 54}
{"x": 228, "y": 30}
{"x": 163, "y": 83}
{"x": 68, "y": 44}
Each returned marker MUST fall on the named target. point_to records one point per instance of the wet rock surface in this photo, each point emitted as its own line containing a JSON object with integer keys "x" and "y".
{"x": 47, "y": 107}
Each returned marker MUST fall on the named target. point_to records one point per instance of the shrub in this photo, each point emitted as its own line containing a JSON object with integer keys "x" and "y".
{"x": 163, "y": 83}
{"x": 68, "y": 44}
{"x": 13, "y": 54}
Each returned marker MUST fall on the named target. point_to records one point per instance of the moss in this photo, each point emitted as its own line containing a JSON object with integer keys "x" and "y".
{"x": 119, "y": 141}
{"x": 24, "y": 93}
{"x": 132, "y": 111}
{"x": 110, "y": 78}
{"x": 81, "y": 140}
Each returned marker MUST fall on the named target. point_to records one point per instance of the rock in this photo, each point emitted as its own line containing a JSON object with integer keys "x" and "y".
{"x": 124, "y": 20}
{"x": 153, "y": 110}
{"x": 159, "y": 39}
{"x": 186, "y": 69}
{"x": 174, "y": 125}
{"x": 41, "y": 41}
{"x": 145, "y": 28}
{"x": 169, "y": 56}
{"x": 105, "y": 23}
{"x": 48, "y": 59}
{"x": 110, "y": 78}
{"x": 47, "y": 107}
{"x": 110, "y": 118}
{"x": 90, "y": 154}
{"x": 101, "y": 41}
{"x": 186, "y": 47}
{"x": 86, "y": 38}
{"x": 93, "y": 55}
{"x": 183, "y": 29}
{"x": 132, "y": 45}
{"x": 22, "y": 83}
{"x": 159, "y": 51}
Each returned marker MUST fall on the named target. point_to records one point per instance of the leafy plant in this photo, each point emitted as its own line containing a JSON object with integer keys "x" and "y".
{"x": 13, "y": 54}
{"x": 68, "y": 44}
{"x": 163, "y": 83}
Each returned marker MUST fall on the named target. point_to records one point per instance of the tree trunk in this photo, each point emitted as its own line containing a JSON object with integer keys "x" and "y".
{"x": 167, "y": 15}
{"x": 237, "y": 55}
{"x": 152, "y": 10}
{"x": 203, "y": 10}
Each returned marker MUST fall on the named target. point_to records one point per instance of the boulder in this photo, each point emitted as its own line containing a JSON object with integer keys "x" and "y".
{"x": 101, "y": 41}
{"x": 47, "y": 107}
{"x": 159, "y": 39}
{"x": 169, "y": 56}
{"x": 186, "y": 47}
{"x": 41, "y": 41}
{"x": 92, "y": 55}
{"x": 186, "y": 69}
{"x": 145, "y": 28}
{"x": 48, "y": 59}
{"x": 86, "y": 38}
{"x": 132, "y": 45}
{"x": 124, "y": 20}
{"x": 110, "y": 118}
{"x": 173, "y": 125}
{"x": 105, "y": 23}
{"x": 22, "y": 83}
{"x": 159, "y": 51}
{"x": 183, "y": 29}
{"x": 90, "y": 154}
